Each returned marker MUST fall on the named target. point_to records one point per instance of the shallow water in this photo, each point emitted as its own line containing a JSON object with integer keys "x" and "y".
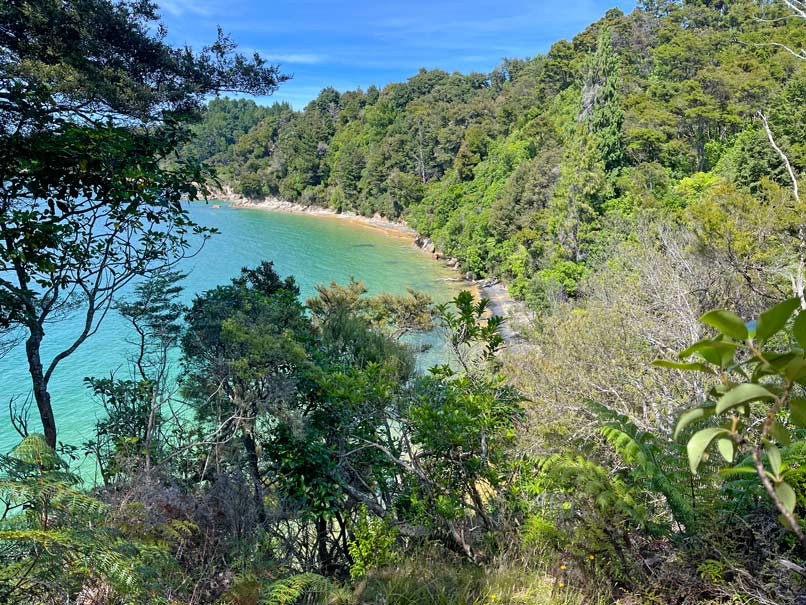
{"x": 314, "y": 249}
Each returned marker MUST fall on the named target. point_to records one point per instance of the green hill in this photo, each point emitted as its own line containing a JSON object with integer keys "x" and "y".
{"x": 524, "y": 172}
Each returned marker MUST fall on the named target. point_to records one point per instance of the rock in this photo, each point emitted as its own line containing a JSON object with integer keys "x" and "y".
{"x": 426, "y": 244}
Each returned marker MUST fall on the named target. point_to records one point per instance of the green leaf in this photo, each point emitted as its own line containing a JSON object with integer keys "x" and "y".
{"x": 744, "y": 393}
{"x": 738, "y": 470}
{"x": 795, "y": 369}
{"x": 699, "y": 442}
{"x": 675, "y": 365}
{"x": 772, "y": 321}
{"x": 799, "y": 329}
{"x": 774, "y": 458}
{"x": 693, "y": 415}
{"x": 706, "y": 344}
{"x": 715, "y": 351}
{"x": 797, "y": 408}
{"x": 786, "y": 495}
{"x": 727, "y": 448}
{"x": 779, "y": 433}
{"x": 727, "y": 322}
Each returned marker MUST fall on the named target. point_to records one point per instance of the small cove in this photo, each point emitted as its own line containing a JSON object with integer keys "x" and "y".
{"x": 315, "y": 249}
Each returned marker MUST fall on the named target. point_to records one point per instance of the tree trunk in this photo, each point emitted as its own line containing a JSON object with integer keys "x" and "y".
{"x": 325, "y": 566}
{"x": 254, "y": 471}
{"x": 40, "y": 385}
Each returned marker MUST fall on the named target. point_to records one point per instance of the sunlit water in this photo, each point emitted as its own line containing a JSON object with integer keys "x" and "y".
{"x": 314, "y": 249}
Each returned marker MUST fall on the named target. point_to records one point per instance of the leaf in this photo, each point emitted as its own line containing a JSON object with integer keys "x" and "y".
{"x": 744, "y": 393}
{"x": 799, "y": 329}
{"x": 727, "y": 322}
{"x": 675, "y": 365}
{"x": 774, "y": 457}
{"x": 797, "y": 408}
{"x": 738, "y": 470}
{"x": 726, "y": 448}
{"x": 795, "y": 369}
{"x": 699, "y": 442}
{"x": 786, "y": 495}
{"x": 693, "y": 415}
{"x": 695, "y": 348}
{"x": 770, "y": 322}
{"x": 713, "y": 351}
{"x": 779, "y": 433}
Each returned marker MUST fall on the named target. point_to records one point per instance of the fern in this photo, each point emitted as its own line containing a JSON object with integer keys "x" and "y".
{"x": 584, "y": 478}
{"x": 60, "y": 542}
{"x": 290, "y": 590}
{"x": 34, "y": 450}
{"x": 58, "y": 496}
{"x": 649, "y": 457}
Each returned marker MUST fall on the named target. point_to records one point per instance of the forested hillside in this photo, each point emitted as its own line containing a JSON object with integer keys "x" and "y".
{"x": 645, "y": 442}
{"x": 528, "y": 172}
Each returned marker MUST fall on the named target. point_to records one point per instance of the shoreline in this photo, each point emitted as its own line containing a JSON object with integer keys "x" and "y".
{"x": 272, "y": 204}
{"x": 496, "y": 292}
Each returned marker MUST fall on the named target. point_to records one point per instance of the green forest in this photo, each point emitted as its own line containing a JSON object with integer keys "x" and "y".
{"x": 536, "y": 172}
{"x": 643, "y": 440}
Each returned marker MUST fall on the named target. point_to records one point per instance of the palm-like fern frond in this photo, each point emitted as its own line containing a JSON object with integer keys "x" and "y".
{"x": 655, "y": 462}
{"x": 584, "y": 478}
{"x": 290, "y": 590}
{"x": 60, "y": 542}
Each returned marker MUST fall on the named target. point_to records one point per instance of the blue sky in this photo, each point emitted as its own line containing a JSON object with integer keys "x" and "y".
{"x": 359, "y": 43}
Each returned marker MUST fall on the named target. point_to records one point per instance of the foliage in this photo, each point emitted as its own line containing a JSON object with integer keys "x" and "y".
{"x": 290, "y": 590}
{"x": 372, "y": 546}
{"x": 56, "y": 545}
{"x": 756, "y": 400}
{"x": 620, "y": 183}
{"x": 87, "y": 202}
{"x": 473, "y": 341}
{"x": 516, "y": 173}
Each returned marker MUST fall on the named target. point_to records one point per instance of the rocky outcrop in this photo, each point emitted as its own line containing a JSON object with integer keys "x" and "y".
{"x": 227, "y": 194}
{"x": 427, "y": 244}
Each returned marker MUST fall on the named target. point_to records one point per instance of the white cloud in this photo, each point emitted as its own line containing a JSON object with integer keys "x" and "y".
{"x": 179, "y": 8}
{"x": 301, "y": 58}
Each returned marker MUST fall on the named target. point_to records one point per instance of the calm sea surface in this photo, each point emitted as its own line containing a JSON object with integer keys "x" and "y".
{"x": 313, "y": 249}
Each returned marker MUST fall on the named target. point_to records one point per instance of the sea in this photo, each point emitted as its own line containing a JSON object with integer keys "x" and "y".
{"x": 315, "y": 249}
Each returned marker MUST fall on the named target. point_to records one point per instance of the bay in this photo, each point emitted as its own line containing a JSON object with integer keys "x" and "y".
{"x": 314, "y": 249}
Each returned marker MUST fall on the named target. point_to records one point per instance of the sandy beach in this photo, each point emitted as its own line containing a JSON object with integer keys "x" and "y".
{"x": 493, "y": 290}
{"x": 396, "y": 229}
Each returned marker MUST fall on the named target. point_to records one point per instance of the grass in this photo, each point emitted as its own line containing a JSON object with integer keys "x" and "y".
{"x": 439, "y": 581}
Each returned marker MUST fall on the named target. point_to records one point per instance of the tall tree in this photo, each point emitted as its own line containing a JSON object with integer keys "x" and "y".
{"x": 245, "y": 359}
{"x": 92, "y": 99}
{"x": 601, "y": 111}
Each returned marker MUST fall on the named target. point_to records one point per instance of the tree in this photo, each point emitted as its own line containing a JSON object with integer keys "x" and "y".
{"x": 572, "y": 215}
{"x": 92, "y": 100}
{"x": 600, "y": 103}
{"x": 139, "y": 417}
{"x": 245, "y": 358}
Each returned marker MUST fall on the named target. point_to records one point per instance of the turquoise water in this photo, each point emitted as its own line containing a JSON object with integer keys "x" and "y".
{"x": 314, "y": 249}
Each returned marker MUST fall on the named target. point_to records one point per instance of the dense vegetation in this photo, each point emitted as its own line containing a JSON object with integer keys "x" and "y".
{"x": 638, "y": 446}
{"x": 530, "y": 172}
{"x": 87, "y": 120}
